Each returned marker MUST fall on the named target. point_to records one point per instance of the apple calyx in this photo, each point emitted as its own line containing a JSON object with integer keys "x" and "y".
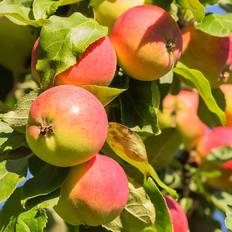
{"x": 170, "y": 45}
{"x": 46, "y": 128}
{"x": 225, "y": 74}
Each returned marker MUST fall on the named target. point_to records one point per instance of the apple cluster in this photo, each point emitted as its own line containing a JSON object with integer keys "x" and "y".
{"x": 181, "y": 111}
{"x": 67, "y": 125}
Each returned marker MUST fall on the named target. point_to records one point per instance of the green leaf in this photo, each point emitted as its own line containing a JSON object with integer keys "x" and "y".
{"x": 18, "y": 117}
{"x": 62, "y": 41}
{"x": 42, "y": 9}
{"x": 139, "y": 106}
{"x": 9, "y": 139}
{"x": 195, "y": 7}
{"x": 163, "y": 220}
{"x": 228, "y": 219}
{"x": 138, "y": 213}
{"x": 18, "y": 153}
{"x": 19, "y": 12}
{"x": 162, "y": 149}
{"x": 11, "y": 173}
{"x": 223, "y": 201}
{"x": 220, "y": 154}
{"x": 44, "y": 201}
{"x": 34, "y": 220}
{"x": 205, "y": 115}
{"x": 42, "y": 183}
{"x": 159, "y": 182}
{"x": 216, "y": 25}
{"x": 104, "y": 94}
{"x": 127, "y": 145}
{"x": 13, "y": 213}
{"x": 203, "y": 87}
{"x": 10, "y": 210}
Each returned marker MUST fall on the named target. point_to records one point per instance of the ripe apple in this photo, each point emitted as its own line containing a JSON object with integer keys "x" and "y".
{"x": 147, "y": 41}
{"x": 178, "y": 217}
{"x": 206, "y": 53}
{"x": 215, "y": 138}
{"x": 180, "y": 111}
{"x": 67, "y": 126}
{"x": 107, "y": 11}
{"x": 94, "y": 193}
{"x": 227, "y": 90}
{"x": 16, "y": 42}
{"x": 96, "y": 66}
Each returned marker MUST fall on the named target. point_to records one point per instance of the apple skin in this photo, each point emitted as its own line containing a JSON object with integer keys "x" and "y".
{"x": 147, "y": 50}
{"x": 67, "y": 126}
{"x": 227, "y": 90}
{"x": 96, "y": 66}
{"x": 16, "y": 42}
{"x": 206, "y": 53}
{"x": 215, "y": 138}
{"x": 93, "y": 193}
{"x": 178, "y": 217}
{"x": 107, "y": 11}
{"x": 181, "y": 111}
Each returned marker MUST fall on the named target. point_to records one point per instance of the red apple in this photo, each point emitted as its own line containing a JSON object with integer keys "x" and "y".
{"x": 181, "y": 111}
{"x": 94, "y": 193}
{"x": 148, "y": 42}
{"x": 67, "y": 126}
{"x": 178, "y": 217}
{"x": 96, "y": 66}
{"x": 206, "y": 53}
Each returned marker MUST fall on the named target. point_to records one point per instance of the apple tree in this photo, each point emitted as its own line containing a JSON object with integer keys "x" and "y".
{"x": 115, "y": 115}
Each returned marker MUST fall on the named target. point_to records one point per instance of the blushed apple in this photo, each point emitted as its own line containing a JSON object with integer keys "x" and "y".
{"x": 180, "y": 111}
{"x": 93, "y": 193}
{"x": 206, "y": 53}
{"x": 147, "y": 41}
{"x": 96, "y": 66}
{"x": 178, "y": 216}
{"x": 67, "y": 126}
{"x": 216, "y": 138}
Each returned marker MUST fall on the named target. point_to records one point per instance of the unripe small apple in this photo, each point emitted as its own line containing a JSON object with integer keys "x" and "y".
{"x": 96, "y": 66}
{"x": 147, "y": 41}
{"x": 215, "y": 138}
{"x": 180, "y": 111}
{"x": 93, "y": 193}
{"x": 206, "y": 53}
{"x": 178, "y": 216}
{"x": 67, "y": 125}
{"x": 107, "y": 11}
